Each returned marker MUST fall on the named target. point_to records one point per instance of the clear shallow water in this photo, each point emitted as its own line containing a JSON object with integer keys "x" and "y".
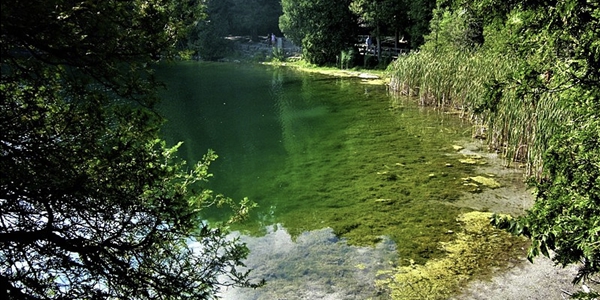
{"x": 314, "y": 265}
{"x": 321, "y": 156}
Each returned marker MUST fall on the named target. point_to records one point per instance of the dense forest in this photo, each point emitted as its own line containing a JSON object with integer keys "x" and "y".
{"x": 94, "y": 205}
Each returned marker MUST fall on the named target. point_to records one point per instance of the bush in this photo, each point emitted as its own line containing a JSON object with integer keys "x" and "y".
{"x": 278, "y": 54}
{"x": 348, "y": 58}
{"x": 370, "y": 61}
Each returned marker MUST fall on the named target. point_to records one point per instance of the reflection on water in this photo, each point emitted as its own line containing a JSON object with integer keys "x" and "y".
{"x": 316, "y": 265}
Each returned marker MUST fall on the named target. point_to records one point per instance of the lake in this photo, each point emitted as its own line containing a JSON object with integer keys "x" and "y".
{"x": 349, "y": 179}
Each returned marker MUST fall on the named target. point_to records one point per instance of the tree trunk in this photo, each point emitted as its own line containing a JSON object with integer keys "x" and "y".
{"x": 378, "y": 44}
{"x": 254, "y": 35}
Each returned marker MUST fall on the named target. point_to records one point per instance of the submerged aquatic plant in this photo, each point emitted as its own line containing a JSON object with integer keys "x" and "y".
{"x": 474, "y": 250}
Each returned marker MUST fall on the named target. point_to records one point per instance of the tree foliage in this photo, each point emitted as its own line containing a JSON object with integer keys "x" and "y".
{"x": 559, "y": 44}
{"x": 254, "y": 17}
{"x": 93, "y": 205}
{"x": 323, "y": 28}
{"x": 207, "y": 36}
{"x": 395, "y": 17}
{"x": 380, "y": 15}
{"x": 232, "y": 17}
{"x": 420, "y": 13}
{"x": 454, "y": 30}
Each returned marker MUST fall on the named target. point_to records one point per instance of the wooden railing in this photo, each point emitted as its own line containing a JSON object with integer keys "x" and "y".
{"x": 385, "y": 51}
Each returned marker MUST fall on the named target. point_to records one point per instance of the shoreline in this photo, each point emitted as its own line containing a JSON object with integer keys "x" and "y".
{"x": 375, "y": 77}
{"x": 540, "y": 280}
{"x": 520, "y": 279}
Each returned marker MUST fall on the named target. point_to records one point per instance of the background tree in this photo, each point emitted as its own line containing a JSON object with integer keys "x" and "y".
{"x": 254, "y": 17}
{"x": 396, "y": 18}
{"x": 207, "y": 36}
{"x": 398, "y": 21}
{"x": 92, "y": 203}
{"x": 420, "y": 13}
{"x": 232, "y": 17}
{"x": 453, "y": 30}
{"x": 376, "y": 15}
{"x": 323, "y": 28}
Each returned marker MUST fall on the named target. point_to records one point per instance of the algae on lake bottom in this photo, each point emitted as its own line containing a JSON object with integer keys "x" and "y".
{"x": 364, "y": 170}
{"x": 319, "y": 152}
{"x": 477, "y": 249}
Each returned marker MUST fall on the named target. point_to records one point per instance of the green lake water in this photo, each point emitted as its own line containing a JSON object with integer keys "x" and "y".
{"x": 338, "y": 168}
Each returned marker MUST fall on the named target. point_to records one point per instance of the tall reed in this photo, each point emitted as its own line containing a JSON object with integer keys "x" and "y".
{"x": 518, "y": 126}
{"x": 447, "y": 78}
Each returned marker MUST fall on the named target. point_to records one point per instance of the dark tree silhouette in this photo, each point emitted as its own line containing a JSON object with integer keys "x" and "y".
{"x": 93, "y": 205}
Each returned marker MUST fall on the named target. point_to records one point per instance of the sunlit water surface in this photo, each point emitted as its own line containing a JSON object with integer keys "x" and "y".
{"x": 349, "y": 180}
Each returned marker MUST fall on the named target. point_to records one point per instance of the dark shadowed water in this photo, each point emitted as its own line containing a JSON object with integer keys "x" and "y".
{"x": 348, "y": 179}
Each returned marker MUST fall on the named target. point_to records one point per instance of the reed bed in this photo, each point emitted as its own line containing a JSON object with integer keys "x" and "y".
{"x": 518, "y": 126}
{"x": 447, "y": 78}
{"x": 522, "y": 126}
